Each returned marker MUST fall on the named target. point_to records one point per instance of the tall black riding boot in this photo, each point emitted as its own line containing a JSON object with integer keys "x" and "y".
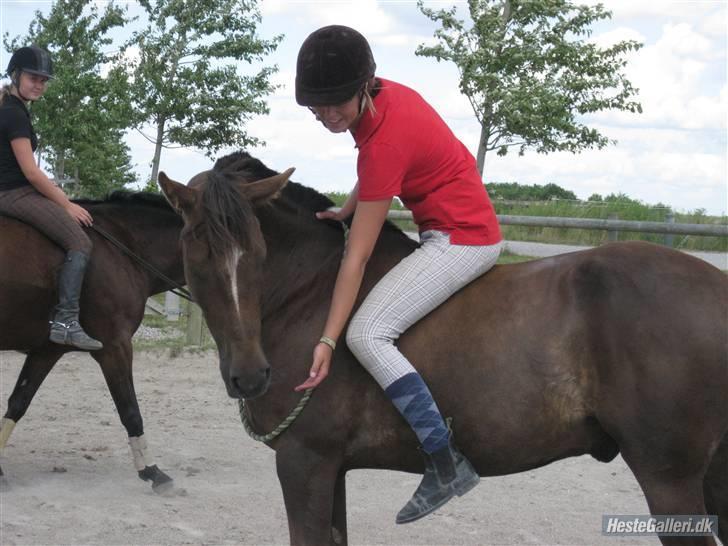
{"x": 65, "y": 328}
{"x": 447, "y": 473}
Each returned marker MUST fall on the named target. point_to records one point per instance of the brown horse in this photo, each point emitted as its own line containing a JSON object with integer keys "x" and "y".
{"x": 112, "y": 303}
{"x": 620, "y": 349}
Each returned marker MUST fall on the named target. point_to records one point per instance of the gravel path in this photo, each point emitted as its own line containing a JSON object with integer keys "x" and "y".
{"x": 525, "y": 248}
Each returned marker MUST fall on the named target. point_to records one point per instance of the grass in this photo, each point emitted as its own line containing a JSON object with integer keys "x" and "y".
{"x": 508, "y": 258}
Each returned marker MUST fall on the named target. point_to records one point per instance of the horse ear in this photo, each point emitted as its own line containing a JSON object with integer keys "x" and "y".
{"x": 179, "y": 196}
{"x": 267, "y": 189}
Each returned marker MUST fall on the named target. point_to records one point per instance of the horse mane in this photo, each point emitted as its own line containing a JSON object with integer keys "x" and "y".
{"x": 230, "y": 218}
{"x": 294, "y": 195}
{"x": 130, "y": 198}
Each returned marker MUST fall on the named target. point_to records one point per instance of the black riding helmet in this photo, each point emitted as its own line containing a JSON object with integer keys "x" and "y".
{"x": 333, "y": 64}
{"x": 31, "y": 59}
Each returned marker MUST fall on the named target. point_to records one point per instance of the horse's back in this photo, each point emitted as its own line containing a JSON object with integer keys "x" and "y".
{"x": 557, "y": 354}
{"x": 27, "y": 284}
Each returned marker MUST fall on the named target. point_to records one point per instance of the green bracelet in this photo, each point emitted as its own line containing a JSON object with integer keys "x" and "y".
{"x": 328, "y": 341}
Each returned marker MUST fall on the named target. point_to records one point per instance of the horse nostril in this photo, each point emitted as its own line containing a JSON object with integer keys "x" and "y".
{"x": 266, "y": 373}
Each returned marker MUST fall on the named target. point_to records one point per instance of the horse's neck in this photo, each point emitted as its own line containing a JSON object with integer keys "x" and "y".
{"x": 150, "y": 233}
{"x": 304, "y": 257}
{"x": 301, "y": 264}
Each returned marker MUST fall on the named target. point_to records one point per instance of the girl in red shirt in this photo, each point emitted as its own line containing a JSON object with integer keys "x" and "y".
{"x": 405, "y": 150}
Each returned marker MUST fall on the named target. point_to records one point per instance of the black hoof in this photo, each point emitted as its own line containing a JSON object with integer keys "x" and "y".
{"x": 161, "y": 483}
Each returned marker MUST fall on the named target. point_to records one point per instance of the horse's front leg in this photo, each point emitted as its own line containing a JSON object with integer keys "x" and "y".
{"x": 309, "y": 482}
{"x": 115, "y": 360}
{"x": 35, "y": 369}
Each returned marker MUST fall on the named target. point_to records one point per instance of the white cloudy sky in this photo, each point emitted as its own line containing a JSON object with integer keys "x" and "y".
{"x": 674, "y": 153}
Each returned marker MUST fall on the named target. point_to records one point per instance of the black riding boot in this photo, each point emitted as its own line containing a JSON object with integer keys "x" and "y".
{"x": 65, "y": 328}
{"x": 447, "y": 473}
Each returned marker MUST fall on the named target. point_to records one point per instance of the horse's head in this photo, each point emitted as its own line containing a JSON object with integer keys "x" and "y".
{"x": 223, "y": 250}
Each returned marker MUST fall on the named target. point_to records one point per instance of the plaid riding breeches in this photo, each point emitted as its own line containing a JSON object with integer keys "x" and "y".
{"x": 417, "y": 285}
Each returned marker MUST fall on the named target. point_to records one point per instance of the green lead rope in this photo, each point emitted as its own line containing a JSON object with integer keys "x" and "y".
{"x": 280, "y": 428}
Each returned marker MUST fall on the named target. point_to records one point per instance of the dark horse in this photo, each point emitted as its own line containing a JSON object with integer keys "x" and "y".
{"x": 620, "y": 349}
{"x": 112, "y": 303}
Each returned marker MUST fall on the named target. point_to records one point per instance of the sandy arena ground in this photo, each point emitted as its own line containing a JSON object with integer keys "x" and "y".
{"x": 69, "y": 477}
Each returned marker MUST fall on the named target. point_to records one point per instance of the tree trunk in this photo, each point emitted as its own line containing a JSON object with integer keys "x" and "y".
{"x": 481, "y": 149}
{"x": 157, "y": 149}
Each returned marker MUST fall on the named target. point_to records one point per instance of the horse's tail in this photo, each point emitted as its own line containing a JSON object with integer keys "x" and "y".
{"x": 715, "y": 488}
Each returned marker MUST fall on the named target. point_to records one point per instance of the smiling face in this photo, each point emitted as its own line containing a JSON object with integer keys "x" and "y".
{"x": 31, "y": 86}
{"x": 340, "y": 117}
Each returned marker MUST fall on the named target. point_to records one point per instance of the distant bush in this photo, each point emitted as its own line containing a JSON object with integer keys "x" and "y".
{"x": 524, "y": 192}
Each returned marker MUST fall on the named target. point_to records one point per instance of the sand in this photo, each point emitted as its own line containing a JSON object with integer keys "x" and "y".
{"x": 69, "y": 478}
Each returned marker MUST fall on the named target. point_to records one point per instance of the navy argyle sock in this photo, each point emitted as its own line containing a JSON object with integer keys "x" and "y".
{"x": 414, "y": 401}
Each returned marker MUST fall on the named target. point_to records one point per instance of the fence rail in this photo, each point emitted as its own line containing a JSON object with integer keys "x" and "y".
{"x": 710, "y": 230}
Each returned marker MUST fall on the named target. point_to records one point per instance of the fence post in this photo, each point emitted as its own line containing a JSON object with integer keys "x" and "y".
{"x": 669, "y": 237}
{"x": 171, "y": 306}
{"x": 612, "y": 234}
{"x": 194, "y": 324}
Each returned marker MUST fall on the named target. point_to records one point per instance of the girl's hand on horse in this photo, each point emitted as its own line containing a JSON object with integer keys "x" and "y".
{"x": 330, "y": 215}
{"x": 80, "y": 214}
{"x": 322, "y": 354}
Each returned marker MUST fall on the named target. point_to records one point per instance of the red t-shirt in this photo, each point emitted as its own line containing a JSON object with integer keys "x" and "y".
{"x": 407, "y": 150}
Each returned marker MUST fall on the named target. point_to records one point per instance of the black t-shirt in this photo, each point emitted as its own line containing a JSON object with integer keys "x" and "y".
{"x": 14, "y": 123}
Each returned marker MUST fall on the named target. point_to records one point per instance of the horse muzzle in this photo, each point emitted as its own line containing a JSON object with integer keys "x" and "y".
{"x": 245, "y": 380}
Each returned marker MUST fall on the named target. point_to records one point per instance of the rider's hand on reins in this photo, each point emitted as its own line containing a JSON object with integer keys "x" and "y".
{"x": 322, "y": 354}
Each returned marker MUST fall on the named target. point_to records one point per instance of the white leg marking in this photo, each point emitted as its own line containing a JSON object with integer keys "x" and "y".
{"x": 138, "y": 445}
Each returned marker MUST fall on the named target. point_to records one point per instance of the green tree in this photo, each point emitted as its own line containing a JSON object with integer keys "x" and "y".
{"x": 81, "y": 119}
{"x": 529, "y": 73}
{"x": 181, "y": 86}
{"x": 513, "y": 191}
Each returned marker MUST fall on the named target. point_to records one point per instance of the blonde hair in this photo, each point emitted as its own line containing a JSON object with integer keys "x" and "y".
{"x": 367, "y": 99}
{"x": 5, "y": 91}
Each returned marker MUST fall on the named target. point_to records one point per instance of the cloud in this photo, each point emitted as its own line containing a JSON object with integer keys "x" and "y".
{"x": 671, "y": 9}
{"x": 366, "y": 16}
{"x": 715, "y": 23}
{"x": 673, "y": 75}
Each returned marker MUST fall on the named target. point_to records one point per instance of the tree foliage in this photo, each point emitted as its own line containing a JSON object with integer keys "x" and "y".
{"x": 525, "y": 192}
{"x": 81, "y": 118}
{"x": 530, "y": 74}
{"x": 181, "y": 86}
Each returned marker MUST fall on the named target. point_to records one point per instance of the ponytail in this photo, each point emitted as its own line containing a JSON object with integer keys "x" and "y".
{"x": 5, "y": 91}
{"x": 371, "y": 89}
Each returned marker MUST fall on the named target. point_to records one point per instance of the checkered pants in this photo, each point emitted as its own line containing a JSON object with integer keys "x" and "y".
{"x": 414, "y": 287}
{"x": 30, "y": 206}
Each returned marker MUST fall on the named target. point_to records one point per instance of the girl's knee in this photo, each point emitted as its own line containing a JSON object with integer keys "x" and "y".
{"x": 366, "y": 340}
{"x": 356, "y": 340}
{"x": 82, "y": 244}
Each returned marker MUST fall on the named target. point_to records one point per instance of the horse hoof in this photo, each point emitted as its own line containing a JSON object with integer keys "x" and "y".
{"x": 161, "y": 483}
{"x": 163, "y": 487}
